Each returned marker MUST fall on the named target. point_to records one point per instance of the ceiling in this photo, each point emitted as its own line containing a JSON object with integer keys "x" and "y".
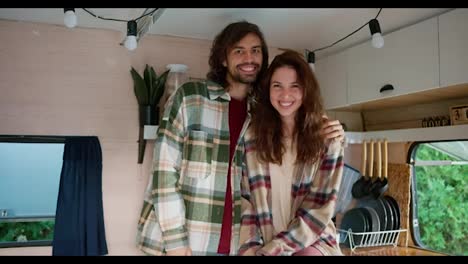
{"x": 294, "y": 28}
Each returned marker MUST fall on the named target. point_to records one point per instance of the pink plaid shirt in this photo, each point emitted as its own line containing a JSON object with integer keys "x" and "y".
{"x": 314, "y": 195}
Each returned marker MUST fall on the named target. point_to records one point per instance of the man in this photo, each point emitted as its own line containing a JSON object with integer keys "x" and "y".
{"x": 192, "y": 205}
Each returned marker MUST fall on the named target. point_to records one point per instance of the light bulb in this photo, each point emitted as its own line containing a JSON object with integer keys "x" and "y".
{"x": 130, "y": 42}
{"x": 377, "y": 40}
{"x": 311, "y": 59}
{"x": 70, "y": 19}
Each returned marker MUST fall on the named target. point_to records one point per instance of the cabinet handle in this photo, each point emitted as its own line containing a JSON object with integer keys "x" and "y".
{"x": 387, "y": 87}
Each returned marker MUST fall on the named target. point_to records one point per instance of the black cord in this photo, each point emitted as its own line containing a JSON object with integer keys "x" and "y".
{"x": 120, "y": 20}
{"x": 334, "y": 43}
{"x": 378, "y": 13}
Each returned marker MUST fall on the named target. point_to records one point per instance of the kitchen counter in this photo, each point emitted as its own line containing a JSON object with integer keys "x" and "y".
{"x": 390, "y": 251}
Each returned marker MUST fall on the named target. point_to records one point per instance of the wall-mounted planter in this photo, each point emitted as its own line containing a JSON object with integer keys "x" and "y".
{"x": 148, "y": 117}
{"x": 150, "y": 132}
{"x": 148, "y": 89}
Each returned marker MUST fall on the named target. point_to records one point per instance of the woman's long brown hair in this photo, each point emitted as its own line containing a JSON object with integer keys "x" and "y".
{"x": 267, "y": 123}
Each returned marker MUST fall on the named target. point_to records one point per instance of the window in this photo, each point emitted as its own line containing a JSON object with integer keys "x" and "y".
{"x": 29, "y": 182}
{"x": 439, "y": 193}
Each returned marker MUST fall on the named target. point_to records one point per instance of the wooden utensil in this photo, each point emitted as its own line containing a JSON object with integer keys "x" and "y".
{"x": 358, "y": 190}
{"x": 367, "y": 189}
{"x": 380, "y": 185}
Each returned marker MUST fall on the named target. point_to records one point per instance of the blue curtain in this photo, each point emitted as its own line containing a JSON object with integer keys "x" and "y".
{"x": 79, "y": 222}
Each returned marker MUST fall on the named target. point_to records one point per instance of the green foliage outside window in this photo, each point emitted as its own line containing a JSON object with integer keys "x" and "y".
{"x": 442, "y": 199}
{"x": 26, "y": 231}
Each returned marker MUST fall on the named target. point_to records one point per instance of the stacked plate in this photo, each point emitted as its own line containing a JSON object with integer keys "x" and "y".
{"x": 372, "y": 215}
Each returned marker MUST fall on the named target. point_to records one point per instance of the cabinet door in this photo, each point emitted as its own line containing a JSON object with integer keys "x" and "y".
{"x": 453, "y": 41}
{"x": 408, "y": 61}
{"x": 331, "y": 75}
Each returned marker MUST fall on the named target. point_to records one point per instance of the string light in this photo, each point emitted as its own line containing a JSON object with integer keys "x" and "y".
{"x": 311, "y": 60}
{"x": 377, "y": 39}
{"x": 69, "y": 18}
{"x": 130, "y": 43}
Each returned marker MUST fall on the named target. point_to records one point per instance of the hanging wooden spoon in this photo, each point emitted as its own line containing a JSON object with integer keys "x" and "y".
{"x": 358, "y": 187}
{"x": 367, "y": 189}
{"x": 381, "y": 185}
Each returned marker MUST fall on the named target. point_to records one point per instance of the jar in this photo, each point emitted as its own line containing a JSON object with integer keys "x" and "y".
{"x": 176, "y": 77}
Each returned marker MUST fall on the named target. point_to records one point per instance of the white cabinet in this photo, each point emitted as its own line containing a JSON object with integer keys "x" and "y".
{"x": 331, "y": 73}
{"x": 453, "y": 37}
{"x": 409, "y": 61}
{"x": 411, "y": 134}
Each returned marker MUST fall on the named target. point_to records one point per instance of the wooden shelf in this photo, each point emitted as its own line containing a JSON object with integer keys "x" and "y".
{"x": 413, "y": 134}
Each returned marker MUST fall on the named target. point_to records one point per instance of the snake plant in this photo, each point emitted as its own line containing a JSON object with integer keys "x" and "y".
{"x": 150, "y": 88}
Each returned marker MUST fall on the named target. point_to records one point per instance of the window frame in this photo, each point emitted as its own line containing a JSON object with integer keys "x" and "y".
{"x": 414, "y": 221}
{"x": 29, "y": 139}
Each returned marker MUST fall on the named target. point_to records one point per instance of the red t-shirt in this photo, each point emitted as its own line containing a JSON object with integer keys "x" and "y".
{"x": 237, "y": 114}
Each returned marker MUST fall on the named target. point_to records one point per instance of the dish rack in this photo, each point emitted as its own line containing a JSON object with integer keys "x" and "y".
{"x": 370, "y": 239}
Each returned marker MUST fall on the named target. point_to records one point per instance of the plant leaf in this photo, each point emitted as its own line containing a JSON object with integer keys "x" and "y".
{"x": 153, "y": 87}
{"x": 148, "y": 80}
{"x": 161, "y": 81}
{"x": 139, "y": 87}
{"x": 155, "y": 76}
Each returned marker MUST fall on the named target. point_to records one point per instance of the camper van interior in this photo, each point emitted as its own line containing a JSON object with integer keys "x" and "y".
{"x": 67, "y": 99}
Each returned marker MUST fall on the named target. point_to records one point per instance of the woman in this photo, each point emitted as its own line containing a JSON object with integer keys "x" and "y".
{"x": 293, "y": 166}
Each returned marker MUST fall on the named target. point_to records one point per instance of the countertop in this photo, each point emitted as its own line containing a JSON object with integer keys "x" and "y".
{"x": 390, "y": 251}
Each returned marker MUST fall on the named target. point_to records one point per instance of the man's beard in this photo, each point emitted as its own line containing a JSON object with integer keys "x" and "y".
{"x": 246, "y": 79}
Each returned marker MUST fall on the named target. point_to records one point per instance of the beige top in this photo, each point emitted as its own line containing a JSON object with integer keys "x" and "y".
{"x": 281, "y": 183}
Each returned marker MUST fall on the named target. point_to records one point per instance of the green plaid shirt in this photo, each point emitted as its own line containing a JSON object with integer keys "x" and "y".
{"x": 184, "y": 200}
